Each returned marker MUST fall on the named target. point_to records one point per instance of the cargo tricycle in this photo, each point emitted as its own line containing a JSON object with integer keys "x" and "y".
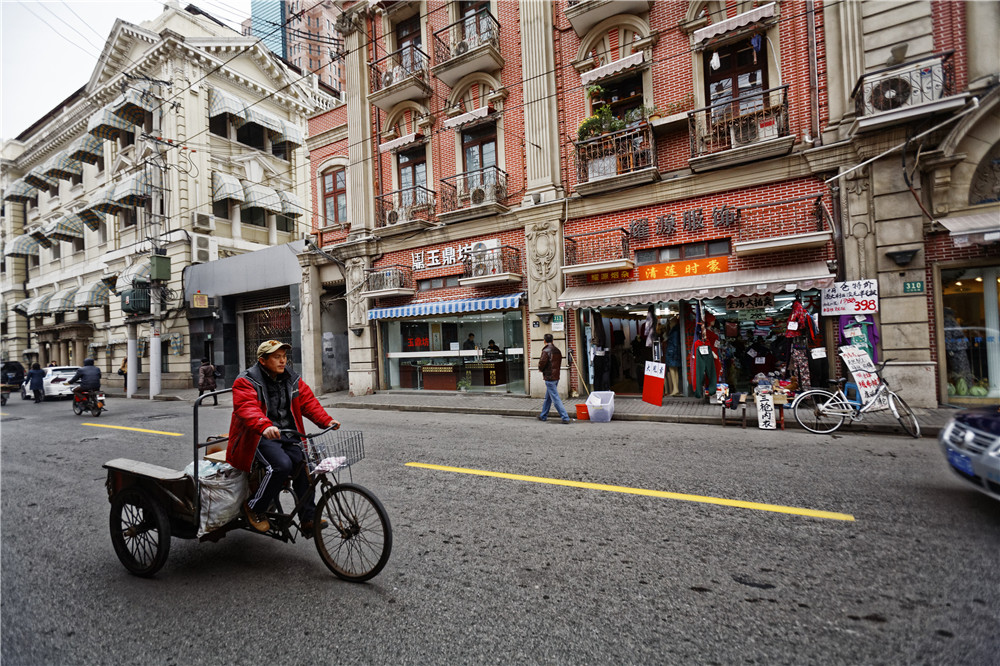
{"x": 150, "y": 504}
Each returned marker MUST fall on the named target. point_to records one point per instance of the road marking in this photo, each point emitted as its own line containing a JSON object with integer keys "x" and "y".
{"x": 757, "y": 506}
{"x": 155, "y": 432}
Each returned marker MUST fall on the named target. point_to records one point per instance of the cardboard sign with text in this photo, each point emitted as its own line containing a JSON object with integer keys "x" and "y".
{"x": 652, "y": 383}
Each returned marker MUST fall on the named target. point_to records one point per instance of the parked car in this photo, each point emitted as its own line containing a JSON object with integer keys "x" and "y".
{"x": 54, "y": 384}
{"x": 971, "y": 444}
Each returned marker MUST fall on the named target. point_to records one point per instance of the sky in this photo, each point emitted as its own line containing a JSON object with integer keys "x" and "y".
{"x": 48, "y": 48}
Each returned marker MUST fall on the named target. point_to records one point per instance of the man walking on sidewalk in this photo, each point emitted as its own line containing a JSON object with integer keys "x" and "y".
{"x": 550, "y": 363}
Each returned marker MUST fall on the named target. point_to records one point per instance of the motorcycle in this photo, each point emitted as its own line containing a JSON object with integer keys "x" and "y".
{"x": 92, "y": 401}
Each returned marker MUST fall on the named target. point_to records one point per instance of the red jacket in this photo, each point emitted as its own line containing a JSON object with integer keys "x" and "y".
{"x": 250, "y": 414}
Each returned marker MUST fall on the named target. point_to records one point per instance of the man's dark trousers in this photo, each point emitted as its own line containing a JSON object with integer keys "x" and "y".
{"x": 278, "y": 458}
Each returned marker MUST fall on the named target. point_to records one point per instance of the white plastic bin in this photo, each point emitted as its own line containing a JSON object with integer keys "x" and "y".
{"x": 601, "y": 406}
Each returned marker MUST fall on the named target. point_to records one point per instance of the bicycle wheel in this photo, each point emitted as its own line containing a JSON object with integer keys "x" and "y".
{"x": 904, "y": 415}
{"x": 140, "y": 531}
{"x": 77, "y": 407}
{"x": 819, "y": 411}
{"x": 357, "y": 542}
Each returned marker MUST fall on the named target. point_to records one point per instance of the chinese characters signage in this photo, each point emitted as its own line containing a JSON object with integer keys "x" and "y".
{"x": 684, "y": 268}
{"x": 447, "y": 256}
{"x": 857, "y": 297}
{"x": 750, "y": 302}
{"x": 610, "y": 276}
{"x": 861, "y": 367}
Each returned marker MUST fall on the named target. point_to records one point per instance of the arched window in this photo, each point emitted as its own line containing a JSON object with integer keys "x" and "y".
{"x": 335, "y": 197}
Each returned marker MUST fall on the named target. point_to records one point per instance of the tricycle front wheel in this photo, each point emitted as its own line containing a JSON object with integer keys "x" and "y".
{"x": 358, "y": 539}
{"x": 140, "y": 531}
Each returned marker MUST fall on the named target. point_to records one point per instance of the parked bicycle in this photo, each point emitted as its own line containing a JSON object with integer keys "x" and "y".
{"x": 822, "y": 412}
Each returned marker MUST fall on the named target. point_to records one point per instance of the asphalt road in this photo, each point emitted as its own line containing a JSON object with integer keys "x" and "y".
{"x": 498, "y": 570}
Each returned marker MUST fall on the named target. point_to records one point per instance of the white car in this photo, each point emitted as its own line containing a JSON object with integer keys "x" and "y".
{"x": 55, "y": 383}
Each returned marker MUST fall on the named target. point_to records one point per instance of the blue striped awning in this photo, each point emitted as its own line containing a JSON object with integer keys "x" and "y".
{"x": 134, "y": 190}
{"x": 66, "y": 228}
{"x": 38, "y": 306}
{"x": 225, "y": 186}
{"x": 21, "y": 307}
{"x": 88, "y": 148}
{"x": 103, "y": 201}
{"x": 36, "y": 179}
{"x": 20, "y": 191}
{"x": 291, "y": 206}
{"x": 264, "y": 119}
{"x": 105, "y": 124}
{"x": 61, "y": 165}
{"x": 508, "y": 302}
{"x": 41, "y": 234}
{"x": 63, "y": 300}
{"x": 260, "y": 196}
{"x": 139, "y": 271}
{"x": 93, "y": 295}
{"x": 133, "y": 104}
{"x": 290, "y": 133}
{"x": 22, "y": 246}
{"x": 90, "y": 217}
{"x": 221, "y": 102}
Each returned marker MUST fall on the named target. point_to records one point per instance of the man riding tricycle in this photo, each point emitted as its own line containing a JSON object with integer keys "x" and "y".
{"x": 247, "y": 486}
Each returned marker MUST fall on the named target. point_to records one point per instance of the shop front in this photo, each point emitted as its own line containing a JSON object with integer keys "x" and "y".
{"x": 471, "y": 344}
{"x": 732, "y": 325}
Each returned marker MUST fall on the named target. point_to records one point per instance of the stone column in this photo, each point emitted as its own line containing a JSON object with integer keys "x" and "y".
{"x": 351, "y": 24}
{"x": 79, "y": 351}
{"x": 543, "y": 260}
{"x": 845, "y": 51}
{"x": 981, "y": 21}
{"x": 363, "y": 375}
{"x": 541, "y": 130}
{"x": 132, "y": 355}
{"x": 310, "y": 317}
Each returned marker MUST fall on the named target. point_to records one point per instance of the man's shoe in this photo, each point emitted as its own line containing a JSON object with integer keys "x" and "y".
{"x": 568, "y": 421}
{"x": 308, "y": 527}
{"x": 257, "y": 522}
{"x": 542, "y": 419}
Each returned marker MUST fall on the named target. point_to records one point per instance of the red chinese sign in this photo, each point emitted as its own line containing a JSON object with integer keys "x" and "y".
{"x": 684, "y": 268}
{"x": 608, "y": 276}
{"x": 418, "y": 342}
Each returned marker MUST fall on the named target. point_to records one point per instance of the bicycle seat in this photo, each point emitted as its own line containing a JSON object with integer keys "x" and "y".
{"x": 838, "y": 382}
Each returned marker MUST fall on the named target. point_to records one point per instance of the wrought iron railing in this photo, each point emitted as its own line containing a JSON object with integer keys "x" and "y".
{"x": 907, "y": 84}
{"x": 506, "y": 259}
{"x": 734, "y": 123}
{"x": 405, "y": 205}
{"x": 465, "y": 35}
{"x": 596, "y": 246}
{"x": 400, "y": 65}
{"x": 616, "y": 153}
{"x": 389, "y": 277}
{"x": 474, "y": 188}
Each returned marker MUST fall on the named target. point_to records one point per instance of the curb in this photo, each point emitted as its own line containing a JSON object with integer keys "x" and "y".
{"x": 926, "y": 431}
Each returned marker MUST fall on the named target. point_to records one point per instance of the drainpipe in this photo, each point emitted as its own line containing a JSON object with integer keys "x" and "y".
{"x": 836, "y": 221}
{"x": 813, "y": 73}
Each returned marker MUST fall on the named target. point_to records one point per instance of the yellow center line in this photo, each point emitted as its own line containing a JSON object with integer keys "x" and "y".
{"x": 757, "y": 506}
{"x": 155, "y": 432}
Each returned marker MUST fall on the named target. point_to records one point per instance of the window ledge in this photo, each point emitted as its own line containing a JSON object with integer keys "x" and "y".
{"x": 611, "y": 183}
{"x": 782, "y": 243}
{"x": 385, "y": 293}
{"x": 907, "y": 114}
{"x": 598, "y": 267}
{"x": 496, "y": 278}
{"x": 472, "y": 212}
{"x": 755, "y": 152}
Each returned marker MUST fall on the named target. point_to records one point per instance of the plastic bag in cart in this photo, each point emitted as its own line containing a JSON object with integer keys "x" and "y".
{"x": 223, "y": 491}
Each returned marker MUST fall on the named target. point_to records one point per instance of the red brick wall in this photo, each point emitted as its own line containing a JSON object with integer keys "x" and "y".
{"x": 317, "y": 156}
{"x": 949, "y": 34}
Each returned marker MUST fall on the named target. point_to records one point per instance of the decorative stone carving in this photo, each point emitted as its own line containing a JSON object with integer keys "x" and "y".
{"x": 985, "y": 186}
{"x": 357, "y": 305}
{"x": 350, "y": 21}
{"x": 857, "y": 181}
{"x": 542, "y": 244}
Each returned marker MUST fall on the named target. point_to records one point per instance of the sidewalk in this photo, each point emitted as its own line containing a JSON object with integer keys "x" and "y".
{"x": 674, "y": 410}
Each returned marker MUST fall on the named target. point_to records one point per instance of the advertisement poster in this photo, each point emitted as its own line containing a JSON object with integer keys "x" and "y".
{"x": 765, "y": 411}
{"x": 652, "y": 383}
{"x": 856, "y": 297}
{"x": 863, "y": 370}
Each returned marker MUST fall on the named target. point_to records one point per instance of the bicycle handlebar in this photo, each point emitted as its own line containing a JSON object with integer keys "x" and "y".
{"x": 298, "y": 434}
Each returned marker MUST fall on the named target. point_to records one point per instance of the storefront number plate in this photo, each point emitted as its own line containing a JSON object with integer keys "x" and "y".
{"x": 915, "y": 287}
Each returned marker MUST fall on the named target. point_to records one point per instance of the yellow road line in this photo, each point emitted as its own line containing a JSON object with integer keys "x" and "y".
{"x": 775, "y": 508}
{"x": 155, "y": 432}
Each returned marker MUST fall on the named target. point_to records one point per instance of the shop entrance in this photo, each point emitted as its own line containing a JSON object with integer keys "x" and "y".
{"x": 970, "y": 328}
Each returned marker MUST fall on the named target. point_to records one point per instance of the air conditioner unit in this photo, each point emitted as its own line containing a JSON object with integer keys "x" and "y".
{"x": 482, "y": 194}
{"x": 745, "y": 131}
{"x": 397, "y": 216}
{"x": 387, "y": 79}
{"x": 461, "y": 48}
{"x": 906, "y": 87}
{"x": 203, "y": 249}
{"x": 202, "y": 222}
{"x": 485, "y": 257}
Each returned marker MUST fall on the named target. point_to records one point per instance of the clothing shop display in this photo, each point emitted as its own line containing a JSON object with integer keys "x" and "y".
{"x": 798, "y": 365}
{"x": 673, "y": 358}
{"x": 862, "y": 334}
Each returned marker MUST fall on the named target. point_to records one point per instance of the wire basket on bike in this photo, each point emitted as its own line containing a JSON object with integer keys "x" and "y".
{"x": 346, "y": 444}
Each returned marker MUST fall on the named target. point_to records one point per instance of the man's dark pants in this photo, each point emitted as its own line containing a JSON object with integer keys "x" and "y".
{"x": 278, "y": 458}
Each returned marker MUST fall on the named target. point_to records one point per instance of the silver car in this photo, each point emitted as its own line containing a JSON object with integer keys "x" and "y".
{"x": 971, "y": 444}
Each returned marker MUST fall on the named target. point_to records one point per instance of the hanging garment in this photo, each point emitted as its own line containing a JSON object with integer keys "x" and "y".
{"x": 798, "y": 366}
{"x": 867, "y": 340}
{"x": 716, "y": 61}
{"x": 705, "y": 374}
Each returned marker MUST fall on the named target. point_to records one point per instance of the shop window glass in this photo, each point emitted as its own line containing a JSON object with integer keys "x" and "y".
{"x": 220, "y": 209}
{"x": 718, "y": 248}
{"x": 77, "y": 245}
{"x": 254, "y": 216}
{"x": 219, "y": 125}
{"x": 285, "y": 224}
{"x": 335, "y": 196}
{"x": 647, "y": 256}
{"x": 742, "y": 71}
{"x": 670, "y": 254}
{"x": 412, "y": 175}
{"x": 251, "y": 134}
{"x": 479, "y": 150}
{"x": 971, "y": 331}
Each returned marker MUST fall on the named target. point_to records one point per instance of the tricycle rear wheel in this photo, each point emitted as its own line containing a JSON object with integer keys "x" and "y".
{"x": 140, "y": 531}
{"x": 357, "y": 542}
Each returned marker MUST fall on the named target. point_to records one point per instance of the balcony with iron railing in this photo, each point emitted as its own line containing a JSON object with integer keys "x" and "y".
{"x": 749, "y": 128}
{"x": 402, "y": 209}
{"x": 492, "y": 266}
{"x": 478, "y": 193}
{"x": 617, "y": 159}
{"x": 799, "y": 223}
{"x": 395, "y": 280}
{"x": 471, "y": 44}
{"x": 401, "y": 76}
{"x": 597, "y": 251}
{"x": 585, "y": 14}
{"x": 906, "y": 91}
